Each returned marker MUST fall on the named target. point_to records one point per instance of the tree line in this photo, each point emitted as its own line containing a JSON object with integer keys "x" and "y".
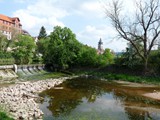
{"x": 60, "y": 49}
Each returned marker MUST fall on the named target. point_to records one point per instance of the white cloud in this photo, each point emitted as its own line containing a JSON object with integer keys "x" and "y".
{"x": 41, "y": 13}
{"x": 47, "y": 9}
{"x": 52, "y": 13}
{"x": 92, "y": 6}
{"x": 91, "y": 9}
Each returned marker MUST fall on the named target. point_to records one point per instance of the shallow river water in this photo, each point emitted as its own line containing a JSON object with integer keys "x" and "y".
{"x": 92, "y": 99}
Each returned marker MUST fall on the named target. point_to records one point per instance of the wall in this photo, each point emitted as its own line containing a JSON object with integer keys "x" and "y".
{"x": 12, "y": 71}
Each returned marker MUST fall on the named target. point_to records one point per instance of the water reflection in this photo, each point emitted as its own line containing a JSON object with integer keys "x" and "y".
{"x": 90, "y": 99}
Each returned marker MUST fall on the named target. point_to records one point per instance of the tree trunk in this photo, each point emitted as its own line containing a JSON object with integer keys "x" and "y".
{"x": 146, "y": 66}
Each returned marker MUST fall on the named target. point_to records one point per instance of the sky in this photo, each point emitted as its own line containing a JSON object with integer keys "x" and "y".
{"x": 86, "y": 18}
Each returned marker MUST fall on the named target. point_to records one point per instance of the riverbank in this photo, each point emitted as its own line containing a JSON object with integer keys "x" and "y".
{"x": 129, "y": 80}
{"x": 20, "y": 99}
{"x": 100, "y": 73}
{"x": 155, "y": 94}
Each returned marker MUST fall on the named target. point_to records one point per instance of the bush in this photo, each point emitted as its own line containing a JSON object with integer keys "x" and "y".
{"x": 6, "y": 58}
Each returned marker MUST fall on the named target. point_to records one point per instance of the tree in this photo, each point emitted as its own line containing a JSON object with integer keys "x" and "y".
{"x": 145, "y": 26}
{"x": 5, "y": 56}
{"x": 154, "y": 61}
{"x": 24, "y": 49}
{"x": 42, "y": 33}
{"x": 62, "y": 47}
{"x": 3, "y": 42}
{"x": 131, "y": 57}
{"x": 42, "y": 45}
{"x": 108, "y": 56}
{"x": 88, "y": 56}
{"x": 15, "y": 33}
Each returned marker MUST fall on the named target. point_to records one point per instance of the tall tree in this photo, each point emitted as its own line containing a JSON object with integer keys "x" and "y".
{"x": 42, "y": 33}
{"x": 87, "y": 56}
{"x": 144, "y": 25}
{"x": 24, "y": 49}
{"x": 62, "y": 47}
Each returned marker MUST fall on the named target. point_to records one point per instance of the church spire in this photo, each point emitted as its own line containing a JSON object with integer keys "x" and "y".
{"x": 100, "y": 47}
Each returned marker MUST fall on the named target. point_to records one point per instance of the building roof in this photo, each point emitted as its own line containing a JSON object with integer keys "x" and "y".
{"x": 8, "y": 19}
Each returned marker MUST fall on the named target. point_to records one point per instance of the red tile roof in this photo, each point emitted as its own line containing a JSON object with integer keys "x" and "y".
{"x": 8, "y": 19}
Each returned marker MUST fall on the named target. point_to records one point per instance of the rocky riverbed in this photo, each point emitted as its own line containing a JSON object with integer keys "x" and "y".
{"x": 20, "y": 99}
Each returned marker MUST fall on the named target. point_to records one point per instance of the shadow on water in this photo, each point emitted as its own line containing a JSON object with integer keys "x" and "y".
{"x": 91, "y": 99}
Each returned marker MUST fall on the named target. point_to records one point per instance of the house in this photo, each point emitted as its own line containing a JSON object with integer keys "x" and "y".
{"x": 10, "y": 26}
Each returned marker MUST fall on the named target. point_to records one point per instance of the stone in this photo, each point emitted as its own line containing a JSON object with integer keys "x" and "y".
{"x": 21, "y": 99}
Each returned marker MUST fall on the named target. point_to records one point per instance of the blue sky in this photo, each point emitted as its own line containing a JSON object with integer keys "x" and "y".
{"x": 86, "y": 18}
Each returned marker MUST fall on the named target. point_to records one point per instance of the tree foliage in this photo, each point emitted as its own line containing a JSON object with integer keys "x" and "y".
{"x": 42, "y": 33}
{"x": 154, "y": 60}
{"x": 87, "y": 56}
{"x": 108, "y": 56}
{"x": 24, "y": 49}
{"x": 3, "y": 43}
{"x": 61, "y": 48}
{"x": 131, "y": 57}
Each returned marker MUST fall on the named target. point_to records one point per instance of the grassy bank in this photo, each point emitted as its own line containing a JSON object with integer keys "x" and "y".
{"x": 119, "y": 76}
{"x": 125, "y": 77}
{"x": 43, "y": 76}
{"x": 4, "y": 116}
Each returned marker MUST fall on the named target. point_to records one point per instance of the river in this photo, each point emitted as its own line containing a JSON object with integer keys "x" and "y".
{"x": 94, "y": 99}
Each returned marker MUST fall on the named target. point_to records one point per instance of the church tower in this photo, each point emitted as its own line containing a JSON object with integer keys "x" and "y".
{"x": 100, "y": 47}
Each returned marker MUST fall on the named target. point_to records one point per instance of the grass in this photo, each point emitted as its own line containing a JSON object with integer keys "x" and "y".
{"x": 130, "y": 78}
{"x": 4, "y": 116}
{"x": 44, "y": 76}
{"x": 124, "y": 77}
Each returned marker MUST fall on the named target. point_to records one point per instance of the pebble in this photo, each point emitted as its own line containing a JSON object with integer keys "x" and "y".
{"x": 20, "y": 99}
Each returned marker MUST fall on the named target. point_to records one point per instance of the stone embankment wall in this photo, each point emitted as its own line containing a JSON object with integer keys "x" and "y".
{"x": 10, "y": 71}
{"x": 19, "y": 99}
{"x": 7, "y": 72}
{"x": 30, "y": 69}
